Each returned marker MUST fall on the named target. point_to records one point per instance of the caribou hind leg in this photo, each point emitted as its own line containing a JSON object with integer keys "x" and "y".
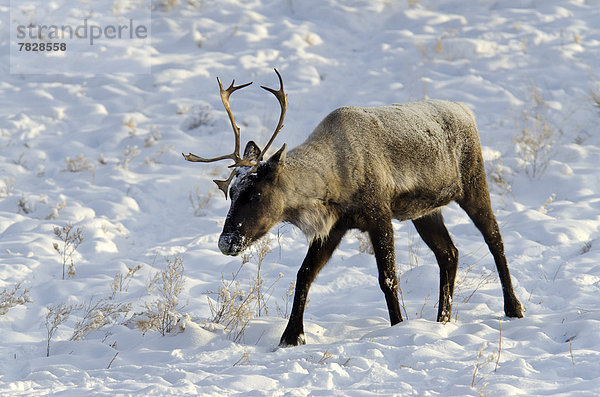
{"x": 432, "y": 230}
{"x": 476, "y": 203}
{"x": 382, "y": 238}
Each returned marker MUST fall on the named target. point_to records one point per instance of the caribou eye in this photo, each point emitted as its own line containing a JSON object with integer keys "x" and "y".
{"x": 249, "y": 197}
{"x": 255, "y": 197}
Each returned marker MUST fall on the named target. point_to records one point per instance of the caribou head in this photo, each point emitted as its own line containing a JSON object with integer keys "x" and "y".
{"x": 256, "y": 202}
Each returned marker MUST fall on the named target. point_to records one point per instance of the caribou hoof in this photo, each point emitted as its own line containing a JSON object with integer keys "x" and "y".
{"x": 514, "y": 309}
{"x": 288, "y": 341}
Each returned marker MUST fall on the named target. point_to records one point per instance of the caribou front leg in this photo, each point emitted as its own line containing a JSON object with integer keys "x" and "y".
{"x": 318, "y": 254}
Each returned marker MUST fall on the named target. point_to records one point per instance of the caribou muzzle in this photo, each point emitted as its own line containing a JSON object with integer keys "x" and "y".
{"x": 232, "y": 243}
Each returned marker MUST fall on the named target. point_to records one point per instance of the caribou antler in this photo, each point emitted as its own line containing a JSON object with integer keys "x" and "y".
{"x": 282, "y": 98}
{"x": 235, "y": 155}
{"x": 238, "y": 161}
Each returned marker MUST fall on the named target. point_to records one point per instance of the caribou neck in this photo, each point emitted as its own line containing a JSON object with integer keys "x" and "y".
{"x": 311, "y": 205}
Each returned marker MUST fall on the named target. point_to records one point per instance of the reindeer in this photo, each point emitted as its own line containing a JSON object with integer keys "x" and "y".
{"x": 359, "y": 169}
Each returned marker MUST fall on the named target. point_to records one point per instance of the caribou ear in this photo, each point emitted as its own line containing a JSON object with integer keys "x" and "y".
{"x": 252, "y": 151}
{"x": 278, "y": 158}
{"x": 271, "y": 167}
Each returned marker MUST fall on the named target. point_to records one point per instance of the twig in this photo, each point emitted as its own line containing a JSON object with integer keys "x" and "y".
{"x": 475, "y": 369}
{"x": 260, "y": 337}
{"x": 402, "y": 301}
{"x": 480, "y": 365}
{"x": 556, "y": 273}
{"x": 571, "y": 349}
{"x": 244, "y": 359}
{"x": 499, "y": 344}
{"x": 424, "y": 304}
{"x": 326, "y": 356}
{"x": 113, "y": 359}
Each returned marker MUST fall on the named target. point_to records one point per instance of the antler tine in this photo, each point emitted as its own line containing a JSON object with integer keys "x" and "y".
{"x": 282, "y": 98}
{"x": 223, "y": 185}
{"x": 236, "y": 130}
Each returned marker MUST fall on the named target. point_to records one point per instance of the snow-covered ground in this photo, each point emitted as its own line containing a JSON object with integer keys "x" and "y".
{"x": 102, "y": 152}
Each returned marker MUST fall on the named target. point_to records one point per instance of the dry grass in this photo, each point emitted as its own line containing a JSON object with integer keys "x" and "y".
{"x": 24, "y": 206}
{"x": 101, "y": 312}
{"x": 198, "y": 116}
{"x": 97, "y": 314}
{"x": 261, "y": 249}
{"x": 498, "y": 174}
{"x": 7, "y": 186}
{"x": 322, "y": 360}
{"x": 414, "y": 247}
{"x": 55, "y": 212}
{"x": 364, "y": 243}
{"x": 154, "y": 159}
{"x": 162, "y": 313}
{"x": 153, "y": 136}
{"x": 468, "y": 281}
{"x": 10, "y": 298}
{"x": 287, "y": 299}
{"x": 245, "y": 359}
{"x": 200, "y": 201}
{"x": 71, "y": 239}
{"x": 130, "y": 153}
{"x": 78, "y": 164}
{"x": 537, "y": 135}
{"x": 55, "y": 317}
{"x": 233, "y": 306}
{"x": 481, "y": 363}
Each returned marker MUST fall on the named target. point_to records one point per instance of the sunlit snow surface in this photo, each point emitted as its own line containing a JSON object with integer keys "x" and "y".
{"x": 131, "y": 197}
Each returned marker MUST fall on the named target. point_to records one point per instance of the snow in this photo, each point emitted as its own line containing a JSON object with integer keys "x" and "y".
{"x": 102, "y": 152}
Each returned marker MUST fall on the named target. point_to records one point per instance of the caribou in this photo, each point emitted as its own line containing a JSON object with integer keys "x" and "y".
{"x": 359, "y": 169}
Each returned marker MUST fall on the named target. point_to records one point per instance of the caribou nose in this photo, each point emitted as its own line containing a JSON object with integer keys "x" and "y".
{"x": 231, "y": 243}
